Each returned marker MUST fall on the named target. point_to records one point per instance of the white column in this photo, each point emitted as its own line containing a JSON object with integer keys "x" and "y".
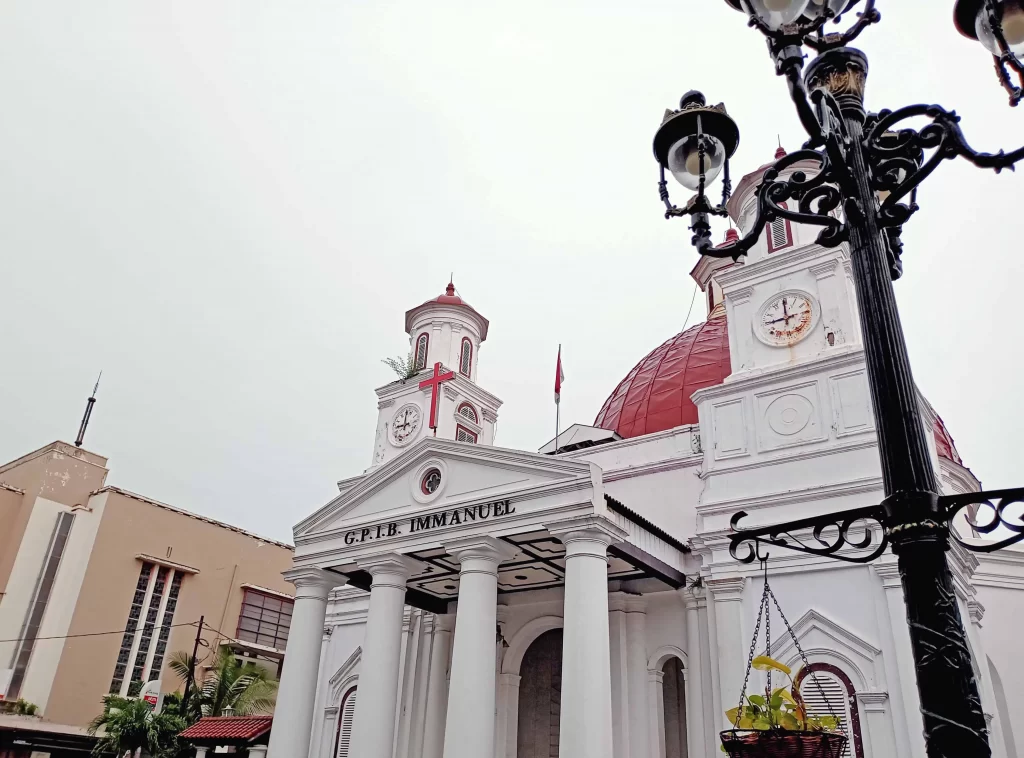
{"x": 469, "y": 726}
{"x": 618, "y": 641}
{"x": 201, "y": 752}
{"x": 437, "y": 686}
{"x": 296, "y": 694}
{"x": 257, "y": 751}
{"x": 636, "y": 662}
{"x": 656, "y": 697}
{"x": 694, "y": 674}
{"x": 901, "y": 676}
{"x": 507, "y": 731}
{"x": 586, "y": 715}
{"x": 727, "y": 595}
{"x": 328, "y": 732}
{"x": 373, "y": 729}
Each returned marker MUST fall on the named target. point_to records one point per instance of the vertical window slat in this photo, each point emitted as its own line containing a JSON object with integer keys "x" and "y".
{"x": 346, "y": 716}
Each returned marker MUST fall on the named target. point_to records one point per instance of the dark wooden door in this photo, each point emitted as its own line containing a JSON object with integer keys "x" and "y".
{"x": 540, "y": 697}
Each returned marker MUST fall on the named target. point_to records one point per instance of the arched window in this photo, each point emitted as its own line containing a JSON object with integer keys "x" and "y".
{"x": 673, "y": 685}
{"x": 467, "y": 411}
{"x": 421, "y": 351}
{"x": 346, "y": 714}
{"x": 780, "y": 233}
{"x": 466, "y": 361}
{"x": 826, "y": 689}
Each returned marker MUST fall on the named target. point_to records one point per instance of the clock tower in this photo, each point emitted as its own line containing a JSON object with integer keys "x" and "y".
{"x": 442, "y": 399}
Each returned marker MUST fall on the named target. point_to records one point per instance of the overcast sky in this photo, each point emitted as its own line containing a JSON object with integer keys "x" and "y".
{"x": 228, "y": 207}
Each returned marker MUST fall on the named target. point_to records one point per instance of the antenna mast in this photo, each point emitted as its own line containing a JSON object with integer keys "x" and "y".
{"x": 88, "y": 412}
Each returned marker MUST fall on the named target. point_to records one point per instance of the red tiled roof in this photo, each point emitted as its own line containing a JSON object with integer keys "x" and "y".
{"x": 228, "y": 728}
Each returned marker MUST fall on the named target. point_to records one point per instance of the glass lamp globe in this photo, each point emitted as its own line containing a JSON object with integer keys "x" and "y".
{"x": 1012, "y": 16}
{"x": 684, "y": 160}
{"x": 816, "y": 7}
{"x": 778, "y": 13}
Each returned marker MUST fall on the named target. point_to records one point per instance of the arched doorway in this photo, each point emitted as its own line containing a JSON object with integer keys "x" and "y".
{"x": 540, "y": 697}
{"x": 674, "y": 698}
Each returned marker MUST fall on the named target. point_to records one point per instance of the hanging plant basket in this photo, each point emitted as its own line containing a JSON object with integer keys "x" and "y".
{"x": 776, "y": 743}
{"x": 778, "y": 724}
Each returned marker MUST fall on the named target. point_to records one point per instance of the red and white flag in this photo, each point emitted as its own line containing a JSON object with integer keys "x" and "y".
{"x": 559, "y": 377}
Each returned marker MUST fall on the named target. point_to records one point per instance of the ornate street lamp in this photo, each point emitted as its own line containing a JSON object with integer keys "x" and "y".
{"x": 861, "y": 190}
{"x": 999, "y": 26}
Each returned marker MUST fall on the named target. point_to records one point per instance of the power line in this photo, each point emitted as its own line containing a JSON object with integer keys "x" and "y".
{"x": 91, "y": 634}
{"x": 693, "y": 299}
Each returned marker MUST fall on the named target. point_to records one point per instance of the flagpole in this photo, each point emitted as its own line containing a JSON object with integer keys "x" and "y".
{"x": 558, "y": 400}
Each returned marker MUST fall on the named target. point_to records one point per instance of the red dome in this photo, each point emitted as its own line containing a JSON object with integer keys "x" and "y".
{"x": 655, "y": 395}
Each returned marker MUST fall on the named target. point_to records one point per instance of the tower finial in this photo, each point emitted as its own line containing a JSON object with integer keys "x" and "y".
{"x": 88, "y": 412}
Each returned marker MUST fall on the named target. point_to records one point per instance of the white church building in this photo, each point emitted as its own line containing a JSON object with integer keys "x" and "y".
{"x": 463, "y": 600}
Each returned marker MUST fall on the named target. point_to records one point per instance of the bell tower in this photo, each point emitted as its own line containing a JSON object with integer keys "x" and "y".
{"x": 442, "y": 397}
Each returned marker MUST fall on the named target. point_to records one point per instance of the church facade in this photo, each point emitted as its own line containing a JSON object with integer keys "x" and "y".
{"x": 461, "y": 600}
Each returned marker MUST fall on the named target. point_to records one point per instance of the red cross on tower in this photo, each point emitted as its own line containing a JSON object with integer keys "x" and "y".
{"x": 435, "y": 383}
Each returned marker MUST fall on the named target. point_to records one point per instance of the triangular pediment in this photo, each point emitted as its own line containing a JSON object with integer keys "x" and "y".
{"x": 468, "y": 472}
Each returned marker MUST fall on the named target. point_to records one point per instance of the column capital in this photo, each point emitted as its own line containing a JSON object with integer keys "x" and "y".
{"x": 694, "y": 598}
{"x": 889, "y": 573}
{"x": 658, "y": 676}
{"x": 444, "y": 622}
{"x": 479, "y": 553}
{"x": 617, "y": 602}
{"x": 976, "y": 611}
{"x": 727, "y": 589}
{"x": 312, "y": 582}
{"x": 390, "y": 569}
{"x": 636, "y": 604}
{"x": 587, "y": 535}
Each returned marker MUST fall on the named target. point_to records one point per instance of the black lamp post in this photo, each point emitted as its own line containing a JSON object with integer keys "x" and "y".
{"x": 868, "y": 166}
{"x": 999, "y": 26}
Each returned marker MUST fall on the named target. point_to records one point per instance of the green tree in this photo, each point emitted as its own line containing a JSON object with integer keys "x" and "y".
{"x": 242, "y": 689}
{"x": 128, "y": 724}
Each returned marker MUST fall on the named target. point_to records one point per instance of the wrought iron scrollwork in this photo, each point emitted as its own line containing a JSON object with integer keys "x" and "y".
{"x": 988, "y": 514}
{"x": 859, "y": 529}
{"x": 861, "y": 535}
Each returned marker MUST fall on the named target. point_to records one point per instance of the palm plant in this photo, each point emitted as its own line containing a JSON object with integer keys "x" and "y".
{"x": 241, "y": 689}
{"x": 129, "y": 724}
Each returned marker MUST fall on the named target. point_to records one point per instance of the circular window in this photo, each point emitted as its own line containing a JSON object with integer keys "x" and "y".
{"x": 431, "y": 481}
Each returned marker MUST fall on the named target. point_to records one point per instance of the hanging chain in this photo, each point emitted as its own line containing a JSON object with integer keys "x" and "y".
{"x": 807, "y": 664}
{"x": 753, "y": 649}
{"x": 764, "y": 616}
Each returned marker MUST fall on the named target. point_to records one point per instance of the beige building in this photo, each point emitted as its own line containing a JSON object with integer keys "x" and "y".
{"x": 98, "y": 586}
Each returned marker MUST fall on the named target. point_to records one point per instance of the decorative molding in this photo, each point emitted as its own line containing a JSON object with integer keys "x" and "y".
{"x": 740, "y": 296}
{"x": 873, "y": 701}
{"x": 824, "y": 270}
{"x": 889, "y": 573}
{"x": 490, "y": 416}
{"x": 382, "y": 404}
{"x": 976, "y": 611}
{"x": 345, "y": 676}
{"x": 726, "y": 589}
{"x": 450, "y": 392}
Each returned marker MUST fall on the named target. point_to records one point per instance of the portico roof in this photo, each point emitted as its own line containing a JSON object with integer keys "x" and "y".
{"x": 477, "y": 490}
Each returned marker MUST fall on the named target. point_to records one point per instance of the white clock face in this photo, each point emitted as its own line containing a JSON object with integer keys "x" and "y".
{"x": 786, "y": 318}
{"x": 405, "y": 424}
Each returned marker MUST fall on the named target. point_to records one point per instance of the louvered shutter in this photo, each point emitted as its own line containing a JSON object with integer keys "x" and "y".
{"x": 345, "y": 718}
{"x": 467, "y": 357}
{"x": 421, "y": 352}
{"x": 831, "y": 692}
{"x": 779, "y": 235}
{"x": 467, "y": 410}
{"x": 464, "y": 435}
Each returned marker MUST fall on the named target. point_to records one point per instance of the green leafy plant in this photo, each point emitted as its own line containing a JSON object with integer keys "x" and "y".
{"x": 127, "y": 724}
{"x": 781, "y": 710}
{"x": 404, "y": 367}
{"x": 243, "y": 689}
{"x": 18, "y": 707}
